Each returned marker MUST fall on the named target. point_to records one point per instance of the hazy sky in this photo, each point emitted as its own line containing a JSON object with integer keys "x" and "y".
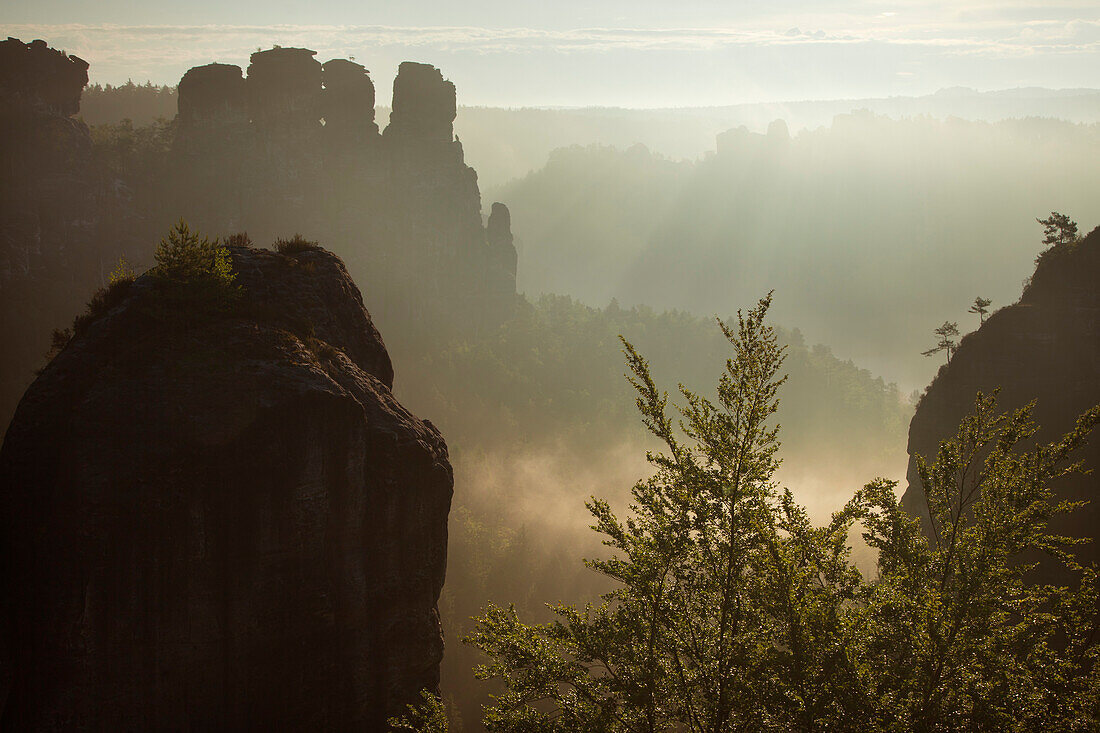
{"x": 611, "y": 52}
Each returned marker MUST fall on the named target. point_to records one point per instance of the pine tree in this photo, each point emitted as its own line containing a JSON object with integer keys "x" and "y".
{"x": 1058, "y": 229}
{"x": 947, "y": 334}
{"x": 981, "y": 307}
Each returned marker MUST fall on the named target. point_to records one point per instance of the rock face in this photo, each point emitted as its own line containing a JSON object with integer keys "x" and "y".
{"x": 424, "y": 105}
{"x": 1045, "y": 347}
{"x": 401, "y": 207}
{"x": 36, "y": 77}
{"x": 228, "y": 524}
{"x": 48, "y": 209}
{"x": 212, "y": 94}
{"x": 347, "y": 102}
{"x": 284, "y": 89}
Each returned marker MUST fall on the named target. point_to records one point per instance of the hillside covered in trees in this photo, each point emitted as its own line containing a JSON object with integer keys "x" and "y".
{"x": 871, "y": 230}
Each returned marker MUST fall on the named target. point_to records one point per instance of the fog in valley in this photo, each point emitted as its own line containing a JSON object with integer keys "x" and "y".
{"x": 504, "y": 250}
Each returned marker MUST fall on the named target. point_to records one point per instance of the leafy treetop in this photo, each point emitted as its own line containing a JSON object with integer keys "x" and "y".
{"x": 733, "y": 611}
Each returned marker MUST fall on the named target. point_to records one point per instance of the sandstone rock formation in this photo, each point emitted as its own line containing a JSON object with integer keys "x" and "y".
{"x": 284, "y": 89}
{"x": 1046, "y": 347}
{"x": 36, "y": 77}
{"x": 291, "y": 147}
{"x": 402, "y": 207}
{"x": 347, "y": 102}
{"x": 228, "y": 525}
{"x": 212, "y": 94}
{"x": 48, "y": 210}
{"x": 424, "y": 105}
{"x": 501, "y": 241}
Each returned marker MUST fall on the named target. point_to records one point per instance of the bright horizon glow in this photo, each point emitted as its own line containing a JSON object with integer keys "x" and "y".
{"x": 637, "y": 55}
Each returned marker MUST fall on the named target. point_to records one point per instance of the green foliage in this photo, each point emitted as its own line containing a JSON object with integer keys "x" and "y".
{"x": 1059, "y": 230}
{"x": 123, "y": 272}
{"x": 185, "y": 258}
{"x": 193, "y": 278}
{"x": 59, "y": 339}
{"x": 240, "y": 239}
{"x": 537, "y": 415}
{"x": 427, "y": 717}
{"x": 1060, "y": 238}
{"x": 295, "y": 244}
{"x": 732, "y": 611}
{"x": 123, "y": 150}
{"x": 128, "y": 103}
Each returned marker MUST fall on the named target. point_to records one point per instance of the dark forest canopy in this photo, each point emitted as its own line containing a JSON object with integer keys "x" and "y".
{"x": 142, "y": 104}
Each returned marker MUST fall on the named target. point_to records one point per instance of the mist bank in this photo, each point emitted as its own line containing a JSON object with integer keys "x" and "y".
{"x": 872, "y": 231}
{"x": 539, "y": 417}
{"x": 504, "y": 143}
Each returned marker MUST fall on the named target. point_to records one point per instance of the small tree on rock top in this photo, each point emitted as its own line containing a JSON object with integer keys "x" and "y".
{"x": 981, "y": 307}
{"x": 1058, "y": 229}
{"x": 947, "y": 334}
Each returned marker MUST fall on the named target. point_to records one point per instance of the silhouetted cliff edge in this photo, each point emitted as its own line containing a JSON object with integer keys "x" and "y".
{"x": 225, "y": 524}
{"x": 1045, "y": 347}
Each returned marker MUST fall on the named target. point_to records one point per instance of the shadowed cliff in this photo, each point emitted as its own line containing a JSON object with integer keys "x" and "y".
{"x": 222, "y": 518}
{"x": 1045, "y": 347}
{"x": 46, "y": 186}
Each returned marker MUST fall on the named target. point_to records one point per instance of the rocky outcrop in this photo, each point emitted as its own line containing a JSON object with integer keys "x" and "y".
{"x": 347, "y": 102}
{"x": 49, "y": 205}
{"x": 212, "y": 94}
{"x": 284, "y": 89}
{"x": 402, "y": 207}
{"x": 1046, "y": 347}
{"x": 424, "y": 105}
{"x": 740, "y": 140}
{"x": 37, "y": 78}
{"x": 224, "y": 524}
{"x": 501, "y": 242}
{"x": 291, "y": 147}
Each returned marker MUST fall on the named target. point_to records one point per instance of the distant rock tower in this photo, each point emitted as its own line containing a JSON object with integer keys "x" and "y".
{"x": 347, "y": 102}
{"x": 284, "y": 89}
{"x": 294, "y": 147}
{"x": 424, "y": 106}
{"x": 501, "y": 242}
{"x": 212, "y": 94}
{"x": 35, "y": 77}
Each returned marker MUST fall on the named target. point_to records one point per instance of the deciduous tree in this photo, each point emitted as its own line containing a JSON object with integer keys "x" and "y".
{"x": 733, "y": 611}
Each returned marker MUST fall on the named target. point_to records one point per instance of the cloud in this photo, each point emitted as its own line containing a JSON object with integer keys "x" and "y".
{"x": 793, "y": 55}
{"x": 196, "y": 42}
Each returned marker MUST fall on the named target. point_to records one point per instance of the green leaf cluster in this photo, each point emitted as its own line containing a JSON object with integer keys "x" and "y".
{"x": 732, "y": 611}
{"x": 184, "y": 257}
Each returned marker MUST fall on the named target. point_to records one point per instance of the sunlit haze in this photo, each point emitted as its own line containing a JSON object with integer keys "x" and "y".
{"x": 616, "y": 53}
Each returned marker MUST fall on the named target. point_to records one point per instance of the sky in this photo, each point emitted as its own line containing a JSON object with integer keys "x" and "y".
{"x": 609, "y": 53}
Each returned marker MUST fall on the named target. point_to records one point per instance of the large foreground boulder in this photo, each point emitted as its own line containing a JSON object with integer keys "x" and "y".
{"x": 222, "y": 522}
